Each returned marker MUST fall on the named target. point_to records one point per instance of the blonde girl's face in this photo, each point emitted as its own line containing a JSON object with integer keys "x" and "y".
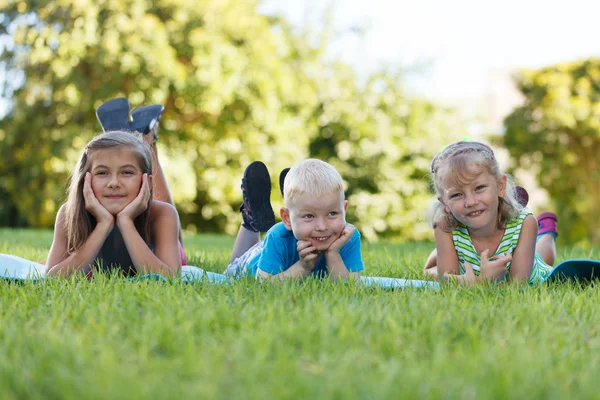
{"x": 474, "y": 200}
{"x": 116, "y": 178}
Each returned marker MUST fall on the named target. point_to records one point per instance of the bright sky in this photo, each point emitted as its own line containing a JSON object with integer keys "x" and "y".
{"x": 455, "y": 44}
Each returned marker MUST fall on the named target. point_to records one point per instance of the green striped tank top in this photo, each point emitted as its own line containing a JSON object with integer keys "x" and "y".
{"x": 467, "y": 254}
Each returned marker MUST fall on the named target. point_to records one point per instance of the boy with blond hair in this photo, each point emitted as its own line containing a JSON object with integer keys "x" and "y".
{"x": 313, "y": 238}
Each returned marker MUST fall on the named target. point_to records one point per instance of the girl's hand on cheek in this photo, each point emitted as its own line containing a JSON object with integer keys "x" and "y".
{"x": 308, "y": 254}
{"x": 139, "y": 204}
{"x": 344, "y": 238}
{"x": 92, "y": 205}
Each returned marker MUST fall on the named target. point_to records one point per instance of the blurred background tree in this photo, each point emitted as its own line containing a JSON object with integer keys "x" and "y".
{"x": 237, "y": 86}
{"x": 556, "y": 134}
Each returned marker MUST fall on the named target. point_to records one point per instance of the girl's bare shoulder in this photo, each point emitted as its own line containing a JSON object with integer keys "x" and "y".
{"x": 61, "y": 216}
{"x": 161, "y": 210}
{"x": 530, "y": 225}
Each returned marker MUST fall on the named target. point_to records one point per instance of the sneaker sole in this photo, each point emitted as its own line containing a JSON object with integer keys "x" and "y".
{"x": 259, "y": 195}
{"x": 145, "y": 117}
{"x": 282, "y": 176}
{"x": 113, "y": 115}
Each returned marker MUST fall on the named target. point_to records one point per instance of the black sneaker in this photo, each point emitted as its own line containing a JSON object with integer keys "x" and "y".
{"x": 282, "y": 176}
{"x": 256, "y": 209}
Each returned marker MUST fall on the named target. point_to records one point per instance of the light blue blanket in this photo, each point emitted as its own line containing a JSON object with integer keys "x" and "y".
{"x": 16, "y": 268}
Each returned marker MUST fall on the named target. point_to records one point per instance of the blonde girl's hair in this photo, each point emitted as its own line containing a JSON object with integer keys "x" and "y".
{"x": 79, "y": 222}
{"x": 312, "y": 176}
{"x": 459, "y": 163}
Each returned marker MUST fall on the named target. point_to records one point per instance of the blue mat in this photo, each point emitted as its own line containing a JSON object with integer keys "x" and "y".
{"x": 18, "y": 269}
{"x": 194, "y": 274}
{"x": 576, "y": 270}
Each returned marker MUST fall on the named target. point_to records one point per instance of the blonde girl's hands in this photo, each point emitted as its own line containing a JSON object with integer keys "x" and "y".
{"x": 308, "y": 255}
{"x": 139, "y": 204}
{"x": 495, "y": 269}
{"x": 467, "y": 279}
{"x": 92, "y": 205}
{"x": 344, "y": 238}
{"x": 432, "y": 273}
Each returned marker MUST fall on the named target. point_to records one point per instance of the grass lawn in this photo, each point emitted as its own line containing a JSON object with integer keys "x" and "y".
{"x": 119, "y": 339}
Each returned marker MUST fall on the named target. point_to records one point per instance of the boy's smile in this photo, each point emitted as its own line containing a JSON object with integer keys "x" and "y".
{"x": 319, "y": 220}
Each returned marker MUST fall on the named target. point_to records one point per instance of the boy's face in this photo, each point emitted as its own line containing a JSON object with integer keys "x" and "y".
{"x": 318, "y": 220}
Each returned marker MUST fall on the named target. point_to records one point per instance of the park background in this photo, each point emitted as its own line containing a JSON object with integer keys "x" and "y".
{"x": 375, "y": 89}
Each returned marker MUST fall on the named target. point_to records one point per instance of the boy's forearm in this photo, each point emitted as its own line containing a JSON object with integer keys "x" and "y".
{"x": 336, "y": 267}
{"x": 296, "y": 271}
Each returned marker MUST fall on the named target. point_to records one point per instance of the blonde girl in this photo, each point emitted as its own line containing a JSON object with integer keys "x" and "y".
{"x": 481, "y": 231}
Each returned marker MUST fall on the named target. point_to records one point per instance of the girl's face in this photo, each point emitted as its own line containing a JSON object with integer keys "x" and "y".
{"x": 318, "y": 220}
{"x": 116, "y": 178}
{"x": 474, "y": 201}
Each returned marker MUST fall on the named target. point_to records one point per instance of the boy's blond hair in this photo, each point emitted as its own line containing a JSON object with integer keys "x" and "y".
{"x": 312, "y": 176}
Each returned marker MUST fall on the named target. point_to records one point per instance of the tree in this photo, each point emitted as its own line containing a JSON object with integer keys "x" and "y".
{"x": 557, "y": 134}
{"x": 237, "y": 86}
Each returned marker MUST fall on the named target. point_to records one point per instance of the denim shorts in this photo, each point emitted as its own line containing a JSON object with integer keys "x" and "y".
{"x": 239, "y": 266}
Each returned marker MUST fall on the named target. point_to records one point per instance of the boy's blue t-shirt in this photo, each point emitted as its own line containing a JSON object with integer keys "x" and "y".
{"x": 279, "y": 253}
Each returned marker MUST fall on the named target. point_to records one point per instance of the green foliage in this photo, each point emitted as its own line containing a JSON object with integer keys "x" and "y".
{"x": 556, "y": 133}
{"x": 237, "y": 86}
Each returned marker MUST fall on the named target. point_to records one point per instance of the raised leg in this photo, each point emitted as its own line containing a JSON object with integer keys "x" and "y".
{"x": 547, "y": 234}
{"x": 243, "y": 242}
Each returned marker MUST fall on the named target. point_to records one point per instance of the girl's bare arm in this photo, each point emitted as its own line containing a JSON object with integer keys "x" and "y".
{"x": 59, "y": 262}
{"x": 165, "y": 259}
{"x": 524, "y": 254}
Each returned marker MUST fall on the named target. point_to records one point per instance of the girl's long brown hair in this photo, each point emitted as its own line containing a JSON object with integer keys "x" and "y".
{"x": 79, "y": 222}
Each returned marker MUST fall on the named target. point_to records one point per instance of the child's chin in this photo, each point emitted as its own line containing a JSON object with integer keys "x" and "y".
{"x": 322, "y": 247}
{"x": 114, "y": 211}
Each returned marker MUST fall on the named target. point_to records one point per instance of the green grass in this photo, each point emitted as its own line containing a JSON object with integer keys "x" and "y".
{"x": 112, "y": 338}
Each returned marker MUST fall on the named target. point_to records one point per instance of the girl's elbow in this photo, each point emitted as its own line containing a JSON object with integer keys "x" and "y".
{"x": 167, "y": 270}
{"x": 53, "y": 270}
{"x": 174, "y": 271}
{"x": 520, "y": 278}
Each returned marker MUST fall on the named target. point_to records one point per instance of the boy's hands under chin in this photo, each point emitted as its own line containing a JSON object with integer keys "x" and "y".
{"x": 139, "y": 204}
{"x": 92, "y": 205}
{"x": 308, "y": 255}
{"x": 341, "y": 241}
